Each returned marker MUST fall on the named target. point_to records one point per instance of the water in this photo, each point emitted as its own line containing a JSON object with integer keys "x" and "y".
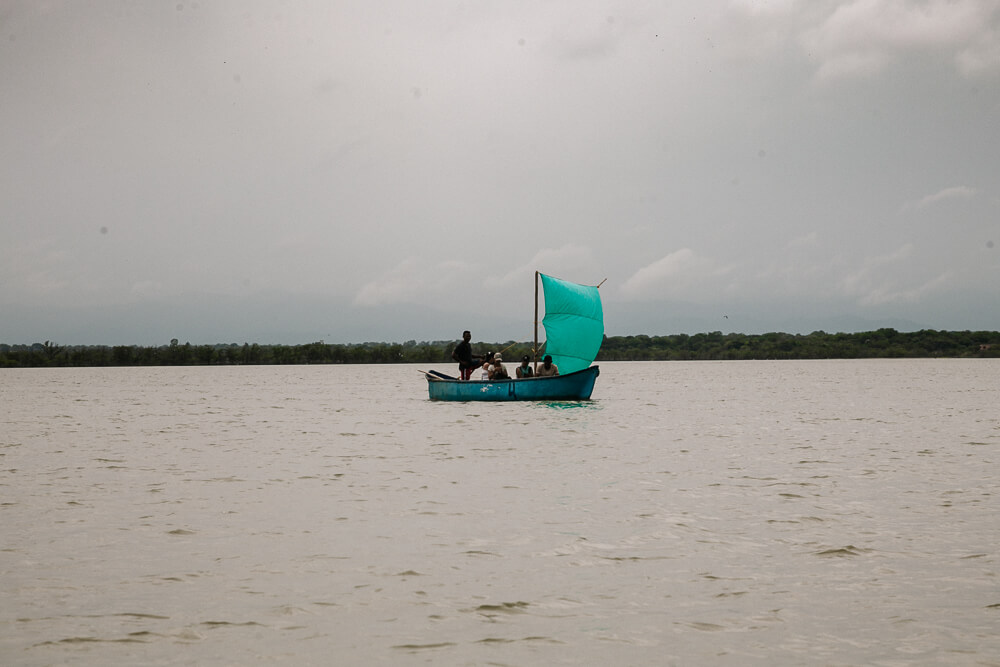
{"x": 734, "y": 513}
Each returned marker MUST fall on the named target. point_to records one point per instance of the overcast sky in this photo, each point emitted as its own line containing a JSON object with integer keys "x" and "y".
{"x": 384, "y": 171}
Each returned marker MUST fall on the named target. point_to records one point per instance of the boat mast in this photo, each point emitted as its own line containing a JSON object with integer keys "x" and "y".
{"x": 534, "y": 349}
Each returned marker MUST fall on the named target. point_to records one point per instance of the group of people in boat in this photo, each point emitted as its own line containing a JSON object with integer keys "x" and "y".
{"x": 491, "y": 364}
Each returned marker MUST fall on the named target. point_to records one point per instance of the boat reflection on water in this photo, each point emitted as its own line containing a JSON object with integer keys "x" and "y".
{"x": 567, "y": 405}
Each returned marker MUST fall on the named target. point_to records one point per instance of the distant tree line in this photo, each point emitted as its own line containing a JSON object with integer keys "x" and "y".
{"x": 883, "y": 343}
{"x": 186, "y": 354}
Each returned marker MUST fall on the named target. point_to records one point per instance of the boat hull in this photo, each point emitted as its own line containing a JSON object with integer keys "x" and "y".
{"x": 571, "y": 387}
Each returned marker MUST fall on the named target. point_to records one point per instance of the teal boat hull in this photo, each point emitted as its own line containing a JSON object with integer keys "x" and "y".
{"x": 570, "y": 387}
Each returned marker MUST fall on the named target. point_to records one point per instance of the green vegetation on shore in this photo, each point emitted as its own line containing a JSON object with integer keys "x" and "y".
{"x": 883, "y": 343}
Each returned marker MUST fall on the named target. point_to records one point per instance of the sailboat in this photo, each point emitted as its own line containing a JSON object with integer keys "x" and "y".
{"x": 574, "y": 329}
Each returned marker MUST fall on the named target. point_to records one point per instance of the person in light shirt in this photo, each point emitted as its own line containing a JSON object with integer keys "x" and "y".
{"x": 487, "y": 366}
{"x": 547, "y": 369}
{"x": 499, "y": 371}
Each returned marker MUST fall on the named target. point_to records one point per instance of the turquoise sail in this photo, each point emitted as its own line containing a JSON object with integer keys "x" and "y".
{"x": 574, "y": 323}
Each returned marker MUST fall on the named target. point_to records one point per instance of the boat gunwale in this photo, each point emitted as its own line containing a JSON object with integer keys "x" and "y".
{"x": 433, "y": 376}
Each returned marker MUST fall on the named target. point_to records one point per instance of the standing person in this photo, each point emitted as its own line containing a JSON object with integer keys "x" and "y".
{"x": 463, "y": 355}
{"x": 524, "y": 370}
{"x": 547, "y": 368}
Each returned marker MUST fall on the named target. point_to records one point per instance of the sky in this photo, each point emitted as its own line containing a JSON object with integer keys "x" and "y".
{"x": 350, "y": 171}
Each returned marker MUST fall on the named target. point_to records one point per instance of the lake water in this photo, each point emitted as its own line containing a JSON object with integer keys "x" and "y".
{"x": 731, "y": 513}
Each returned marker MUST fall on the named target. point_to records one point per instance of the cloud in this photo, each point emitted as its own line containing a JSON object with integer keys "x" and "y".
{"x": 36, "y": 268}
{"x": 415, "y": 280}
{"x": 853, "y": 64}
{"x": 680, "y": 273}
{"x": 864, "y": 37}
{"x": 885, "y": 294}
{"x": 896, "y": 255}
{"x": 587, "y": 39}
{"x": 562, "y": 261}
{"x": 981, "y": 56}
{"x": 810, "y": 240}
{"x": 957, "y": 192}
{"x": 890, "y": 278}
{"x": 543, "y": 128}
{"x": 146, "y": 288}
{"x": 764, "y": 8}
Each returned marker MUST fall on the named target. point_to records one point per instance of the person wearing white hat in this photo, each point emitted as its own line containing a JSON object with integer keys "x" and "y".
{"x": 499, "y": 372}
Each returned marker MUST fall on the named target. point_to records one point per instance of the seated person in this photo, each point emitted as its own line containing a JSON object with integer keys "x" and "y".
{"x": 547, "y": 368}
{"x": 524, "y": 370}
{"x": 487, "y": 366}
{"x": 498, "y": 372}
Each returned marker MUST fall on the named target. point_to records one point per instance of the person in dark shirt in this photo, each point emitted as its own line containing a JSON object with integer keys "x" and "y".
{"x": 462, "y": 353}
